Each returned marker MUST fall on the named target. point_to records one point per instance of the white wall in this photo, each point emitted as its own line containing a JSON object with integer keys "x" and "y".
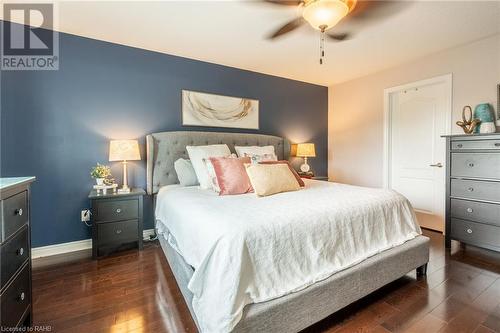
{"x": 355, "y": 115}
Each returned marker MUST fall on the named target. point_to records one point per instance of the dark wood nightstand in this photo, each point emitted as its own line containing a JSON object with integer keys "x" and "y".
{"x": 325, "y": 178}
{"x": 117, "y": 221}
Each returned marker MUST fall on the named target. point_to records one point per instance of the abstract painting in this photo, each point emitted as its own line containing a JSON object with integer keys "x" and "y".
{"x": 202, "y": 109}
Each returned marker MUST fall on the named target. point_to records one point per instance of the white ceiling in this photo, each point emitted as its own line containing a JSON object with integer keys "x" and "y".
{"x": 233, "y": 33}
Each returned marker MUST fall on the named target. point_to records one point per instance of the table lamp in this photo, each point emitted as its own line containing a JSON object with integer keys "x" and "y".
{"x": 124, "y": 150}
{"x": 305, "y": 150}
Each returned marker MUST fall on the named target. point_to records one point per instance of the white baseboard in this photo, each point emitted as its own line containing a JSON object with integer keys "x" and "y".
{"x": 51, "y": 250}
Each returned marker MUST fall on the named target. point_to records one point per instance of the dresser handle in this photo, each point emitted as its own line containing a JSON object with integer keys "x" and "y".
{"x": 460, "y": 145}
{"x": 22, "y": 296}
{"x": 497, "y": 144}
{"x": 20, "y": 252}
{"x": 470, "y": 210}
{"x": 118, "y": 231}
{"x": 469, "y": 231}
{"x": 471, "y": 165}
{"x": 470, "y": 189}
{"x": 118, "y": 210}
{"x": 18, "y": 212}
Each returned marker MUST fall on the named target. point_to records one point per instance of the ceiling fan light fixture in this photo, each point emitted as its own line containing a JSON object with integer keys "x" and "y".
{"x": 324, "y": 14}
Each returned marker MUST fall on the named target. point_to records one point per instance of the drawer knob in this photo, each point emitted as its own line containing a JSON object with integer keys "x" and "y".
{"x": 22, "y": 296}
{"x": 470, "y": 210}
{"x": 118, "y": 231}
{"x": 118, "y": 210}
{"x": 471, "y": 165}
{"x": 470, "y": 189}
{"x": 18, "y": 212}
{"x": 460, "y": 145}
{"x": 20, "y": 252}
{"x": 469, "y": 231}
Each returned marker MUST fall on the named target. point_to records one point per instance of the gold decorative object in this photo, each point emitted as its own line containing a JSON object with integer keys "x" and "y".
{"x": 468, "y": 124}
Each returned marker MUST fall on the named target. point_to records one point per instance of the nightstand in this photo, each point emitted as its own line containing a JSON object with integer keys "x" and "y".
{"x": 325, "y": 178}
{"x": 116, "y": 221}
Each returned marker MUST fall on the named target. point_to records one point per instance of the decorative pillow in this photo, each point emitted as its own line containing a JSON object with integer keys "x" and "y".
{"x": 198, "y": 153}
{"x": 255, "y": 158}
{"x": 254, "y": 150}
{"x": 185, "y": 172}
{"x": 295, "y": 174}
{"x": 228, "y": 175}
{"x": 268, "y": 179}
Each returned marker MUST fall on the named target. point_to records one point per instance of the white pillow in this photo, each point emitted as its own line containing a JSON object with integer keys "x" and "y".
{"x": 185, "y": 172}
{"x": 198, "y": 153}
{"x": 254, "y": 150}
{"x": 257, "y": 158}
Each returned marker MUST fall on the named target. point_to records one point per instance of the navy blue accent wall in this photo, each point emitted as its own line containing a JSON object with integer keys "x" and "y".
{"x": 55, "y": 125}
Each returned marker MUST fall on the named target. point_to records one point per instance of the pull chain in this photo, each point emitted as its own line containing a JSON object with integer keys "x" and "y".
{"x": 322, "y": 44}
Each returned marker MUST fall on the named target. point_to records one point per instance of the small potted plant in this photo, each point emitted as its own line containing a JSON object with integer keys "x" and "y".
{"x": 100, "y": 173}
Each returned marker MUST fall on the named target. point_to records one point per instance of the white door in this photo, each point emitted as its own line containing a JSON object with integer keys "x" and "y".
{"x": 419, "y": 114}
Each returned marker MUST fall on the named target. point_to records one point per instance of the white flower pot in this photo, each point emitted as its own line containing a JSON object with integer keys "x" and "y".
{"x": 99, "y": 181}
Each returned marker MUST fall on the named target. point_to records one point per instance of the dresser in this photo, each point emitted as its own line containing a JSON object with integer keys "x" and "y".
{"x": 15, "y": 253}
{"x": 117, "y": 221}
{"x": 473, "y": 190}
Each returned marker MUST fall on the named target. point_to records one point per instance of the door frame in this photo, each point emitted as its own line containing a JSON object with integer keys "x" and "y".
{"x": 447, "y": 79}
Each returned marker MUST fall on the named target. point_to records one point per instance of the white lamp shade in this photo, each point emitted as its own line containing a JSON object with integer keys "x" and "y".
{"x": 124, "y": 150}
{"x": 306, "y": 150}
{"x": 325, "y": 13}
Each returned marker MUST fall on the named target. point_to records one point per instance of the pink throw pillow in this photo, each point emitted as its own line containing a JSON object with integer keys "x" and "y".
{"x": 231, "y": 175}
{"x": 295, "y": 174}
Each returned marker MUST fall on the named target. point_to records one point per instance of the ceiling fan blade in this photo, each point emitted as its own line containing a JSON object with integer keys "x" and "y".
{"x": 339, "y": 37}
{"x": 290, "y": 26}
{"x": 375, "y": 10}
{"x": 284, "y": 2}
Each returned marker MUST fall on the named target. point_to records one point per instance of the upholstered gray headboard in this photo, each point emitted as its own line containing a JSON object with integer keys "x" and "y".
{"x": 164, "y": 148}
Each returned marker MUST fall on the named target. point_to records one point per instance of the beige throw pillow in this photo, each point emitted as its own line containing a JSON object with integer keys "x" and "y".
{"x": 268, "y": 179}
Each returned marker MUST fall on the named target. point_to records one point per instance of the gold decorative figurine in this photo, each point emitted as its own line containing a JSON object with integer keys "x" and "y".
{"x": 468, "y": 124}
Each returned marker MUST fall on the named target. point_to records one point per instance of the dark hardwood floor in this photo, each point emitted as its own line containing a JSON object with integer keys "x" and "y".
{"x": 136, "y": 292}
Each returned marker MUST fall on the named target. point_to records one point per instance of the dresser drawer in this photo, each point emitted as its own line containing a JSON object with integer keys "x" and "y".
{"x": 117, "y": 210}
{"x": 115, "y": 233}
{"x": 475, "y": 189}
{"x": 13, "y": 255}
{"x": 476, "y": 211}
{"x": 476, "y": 233}
{"x": 14, "y": 214}
{"x": 475, "y": 165}
{"x": 476, "y": 144}
{"x": 16, "y": 299}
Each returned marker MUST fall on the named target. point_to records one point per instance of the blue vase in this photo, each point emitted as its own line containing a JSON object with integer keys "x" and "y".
{"x": 483, "y": 112}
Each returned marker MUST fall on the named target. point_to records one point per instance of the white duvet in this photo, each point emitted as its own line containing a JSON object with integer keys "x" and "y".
{"x": 246, "y": 249}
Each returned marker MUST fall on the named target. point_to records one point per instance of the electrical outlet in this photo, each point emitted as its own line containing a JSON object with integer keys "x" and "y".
{"x": 85, "y": 215}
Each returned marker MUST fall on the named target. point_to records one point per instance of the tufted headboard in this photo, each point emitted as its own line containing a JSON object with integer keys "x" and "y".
{"x": 164, "y": 148}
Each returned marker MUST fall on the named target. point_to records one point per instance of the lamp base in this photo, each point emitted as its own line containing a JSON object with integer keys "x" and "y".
{"x": 305, "y": 168}
{"x": 124, "y": 190}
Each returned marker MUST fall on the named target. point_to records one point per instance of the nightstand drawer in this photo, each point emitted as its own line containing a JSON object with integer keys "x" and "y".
{"x": 476, "y": 233}
{"x": 476, "y": 211}
{"x": 117, "y": 210}
{"x": 115, "y": 233}
{"x": 16, "y": 299}
{"x": 13, "y": 255}
{"x": 14, "y": 214}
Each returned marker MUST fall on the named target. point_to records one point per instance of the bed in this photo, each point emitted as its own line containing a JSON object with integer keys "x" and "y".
{"x": 395, "y": 248}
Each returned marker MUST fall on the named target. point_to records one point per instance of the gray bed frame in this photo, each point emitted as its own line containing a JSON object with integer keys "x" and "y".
{"x": 298, "y": 310}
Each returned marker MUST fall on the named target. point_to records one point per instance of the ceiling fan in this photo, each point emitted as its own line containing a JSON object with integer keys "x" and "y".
{"x": 323, "y": 15}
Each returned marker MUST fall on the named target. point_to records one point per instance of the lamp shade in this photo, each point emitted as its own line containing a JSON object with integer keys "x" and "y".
{"x": 306, "y": 150}
{"x": 124, "y": 150}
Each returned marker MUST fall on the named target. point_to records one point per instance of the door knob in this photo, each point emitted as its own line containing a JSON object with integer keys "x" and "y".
{"x": 437, "y": 165}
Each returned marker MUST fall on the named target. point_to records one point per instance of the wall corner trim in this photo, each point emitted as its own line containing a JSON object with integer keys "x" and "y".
{"x": 85, "y": 244}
